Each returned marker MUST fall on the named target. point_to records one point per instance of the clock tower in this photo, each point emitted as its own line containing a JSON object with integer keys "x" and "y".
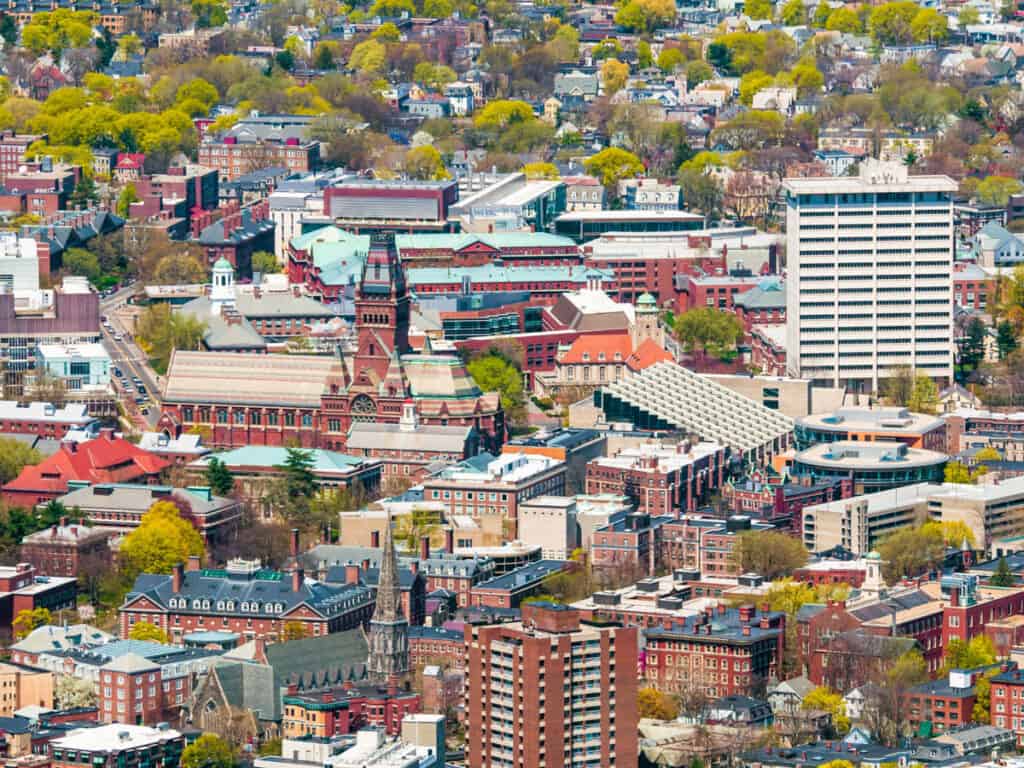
{"x": 381, "y": 313}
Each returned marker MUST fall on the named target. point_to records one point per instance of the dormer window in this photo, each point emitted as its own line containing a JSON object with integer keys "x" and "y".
{"x": 586, "y": 357}
{"x": 600, "y": 356}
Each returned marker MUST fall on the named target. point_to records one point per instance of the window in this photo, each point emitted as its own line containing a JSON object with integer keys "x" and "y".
{"x": 222, "y": 416}
{"x": 239, "y": 417}
{"x": 272, "y": 419}
{"x": 289, "y": 419}
{"x": 307, "y": 420}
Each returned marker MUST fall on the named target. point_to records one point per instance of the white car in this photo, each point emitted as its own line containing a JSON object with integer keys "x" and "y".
{"x": 118, "y": 337}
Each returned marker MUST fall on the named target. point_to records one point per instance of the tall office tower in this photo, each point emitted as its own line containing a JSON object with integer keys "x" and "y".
{"x": 869, "y": 276}
{"x": 551, "y": 690}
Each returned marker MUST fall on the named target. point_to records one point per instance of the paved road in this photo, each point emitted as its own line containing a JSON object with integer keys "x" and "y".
{"x": 130, "y": 359}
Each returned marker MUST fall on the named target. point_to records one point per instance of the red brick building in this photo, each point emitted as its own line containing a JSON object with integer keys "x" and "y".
{"x": 944, "y": 704}
{"x": 560, "y": 665}
{"x": 472, "y": 250}
{"x": 245, "y": 599}
{"x": 43, "y": 419}
{"x": 21, "y": 589}
{"x": 12, "y": 150}
{"x": 510, "y": 589}
{"x": 1006, "y": 700}
{"x": 60, "y": 550}
{"x": 233, "y": 158}
{"x": 629, "y": 545}
{"x": 767, "y": 498}
{"x": 432, "y": 645}
{"x": 660, "y": 480}
{"x": 972, "y": 286}
{"x": 724, "y": 651}
{"x": 107, "y": 459}
{"x": 332, "y": 712}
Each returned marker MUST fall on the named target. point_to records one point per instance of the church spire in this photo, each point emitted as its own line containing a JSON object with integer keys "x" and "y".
{"x": 389, "y": 629}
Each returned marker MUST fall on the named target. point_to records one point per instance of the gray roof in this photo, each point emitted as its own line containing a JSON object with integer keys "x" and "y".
{"x": 248, "y": 228}
{"x": 279, "y": 304}
{"x": 426, "y": 437}
{"x": 134, "y": 497}
{"x": 770, "y": 294}
{"x": 221, "y": 334}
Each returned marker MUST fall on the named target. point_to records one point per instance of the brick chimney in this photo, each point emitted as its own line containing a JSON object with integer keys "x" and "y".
{"x": 298, "y": 578}
{"x": 424, "y": 547}
{"x": 194, "y": 563}
{"x": 449, "y": 541}
{"x": 366, "y": 564}
{"x": 352, "y": 573}
{"x": 177, "y": 577}
{"x": 954, "y": 597}
{"x": 295, "y": 542}
{"x": 64, "y": 522}
{"x": 375, "y": 539}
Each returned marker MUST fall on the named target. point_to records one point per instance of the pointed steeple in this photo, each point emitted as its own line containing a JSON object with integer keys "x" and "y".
{"x": 389, "y": 629}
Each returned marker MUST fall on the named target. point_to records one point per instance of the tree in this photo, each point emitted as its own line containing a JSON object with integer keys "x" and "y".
{"x": 698, "y": 72}
{"x": 979, "y": 651}
{"x": 794, "y": 13}
{"x": 656, "y": 705}
{"x": 265, "y": 263}
{"x": 298, "y": 473}
{"x": 84, "y": 193}
{"x": 843, "y": 19}
{"x": 972, "y": 347}
{"x": 891, "y": 23}
{"x": 953, "y": 532}
{"x": 209, "y": 13}
{"x": 79, "y": 261}
{"x": 968, "y": 16}
{"x": 219, "y": 477}
{"x": 925, "y": 396}
{"x": 670, "y": 59}
{"x": 293, "y": 630}
{"x": 910, "y": 552}
{"x": 1002, "y": 576}
{"x": 983, "y": 699}
{"x": 758, "y": 9}
{"x": 1006, "y": 339}
{"x": 897, "y": 388}
{"x": 929, "y": 26}
{"x": 125, "y": 199}
{"x": 826, "y": 699}
{"x": 160, "y": 331}
{"x": 143, "y": 630}
{"x": 702, "y": 192}
{"x": 752, "y": 82}
{"x": 959, "y": 473}
{"x": 425, "y": 163}
{"x": 72, "y": 692}
{"x": 646, "y": 15}
{"x": 15, "y": 456}
{"x": 710, "y": 331}
{"x": 162, "y": 540}
{"x": 368, "y": 57}
{"x": 494, "y": 372}
{"x": 768, "y": 553}
{"x": 541, "y": 171}
{"x": 29, "y": 619}
{"x": 209, "y": 751}
{"x": 614, "y": 75}
{"x": 612, "y": 165}
{"x": 500, "y": 114}
{"x": 996, "y": 190}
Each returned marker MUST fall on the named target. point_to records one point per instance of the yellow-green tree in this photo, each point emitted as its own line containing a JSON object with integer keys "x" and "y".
{"x": 996, "y": 190}
{"x": 614, "y": 75}
{"x": 953, "y": 532}
{"x": 959, "y": 473}
{"x": 368, "y": 57}
{"x": 646, "y": 15}
{"x": 612, "y": 165}
{"x": 826, "y": 699}
{"x": 758, "y": 9}
{"x": 424, "y": 163}
{"x": 988, "y": 453}
{"x": 209, "y": 751}
{"x": 541, "y": 171}
{"x": 929, "y": 26}
{"x": 752, "y": 82}
{"x": 293, "y": 630}
{"x": 501, "y": 113}
{"x": 843, "y": 19}
{"x": 979, "y": 651}
{"x": 30, "y": 619}
{"x": 163, "y": 539}
{"x": 143, "y": 630}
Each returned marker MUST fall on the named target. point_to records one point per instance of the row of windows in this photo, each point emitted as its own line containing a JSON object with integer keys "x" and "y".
{"x": 240, "y": 417}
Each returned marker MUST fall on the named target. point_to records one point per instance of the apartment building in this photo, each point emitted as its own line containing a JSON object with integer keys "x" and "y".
{"x": 579, "y": 678}
{"x": 869, "y": 276}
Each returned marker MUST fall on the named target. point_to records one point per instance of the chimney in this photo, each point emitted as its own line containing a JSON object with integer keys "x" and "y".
{"x": 295, "y": 542}
{"x": 449, "y": 541}
{"x": 298, "y": 578}
{"x": 259, "y": 653}
{"x": 193, "y": 562}
{"x": 721, "y": 609}
{"x": 424, "y": 547}
{"x": 177, "y": 577}
{"x": 375, "y": 539}
{"x": 746, "y": 630}
{"x": 352, "y": 573}
{"x": 366, "y": 564}
{"x": 954, "y": 597}
{"x": 64, "y": 522}
{"x": 765, "y": 621}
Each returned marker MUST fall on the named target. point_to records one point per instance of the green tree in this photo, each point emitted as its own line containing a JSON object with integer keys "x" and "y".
{"x": 656, "y": 705}
{"x": 293, "y": 630}
{"x": 826, "y": 699}
{"x": 494, "y": 372}
{"x": 710, "y": 331}
{"x": 702, "y": 192}
{"x": 30, "y": 619}
{"x": 925, "y": 396}
{"x": 670, "y": 59}
{"x": 646, "y": 15}
{"x": 425, "y": 163}
{"x": 209, "y": 751}
{"x": 768, "y": 553}
{"x": 143, "y": 630}
{"x": 698, "y": 72}
{"x": 125, "y": 199}
{"x": 979, "y": 651}
{"x": 752, "y": 82}
{"x": 1006, "y": 339}
{"x": 393, "y": 8}
{"x": 163, "y": 539}
{"x": 265, "y": 263}
{"x": 891, "y": 22}
{"x": 614, "y": 76}
{"x": 612, "y": 165}
{"x": 959, "y": 473}
{"x": 14, "y": 457}
{"x": 368, "y": 57}
{"x": 759, "y": 9}
{"x": 219, "y": 477}
{"x": 644, "y": 57}
{"x": 996, "y": 190}
{"x": 209, "y": 13}
{"x": 909, "y": 669}
{"x": 84, "y": 193}
{"x": 541, "y": 171}
{"x": 793, "y": 13}
{"x": 160, "y": 331}
{"x": 297, "y": 470}
{"x": 1002, "y": 576}
{"x": 79, "y": 261}
{"x": 501, "y": 113}
{"x": 968, "y": 16}
{"x": 972, "y": 347}
{"x": 821, "y": 14}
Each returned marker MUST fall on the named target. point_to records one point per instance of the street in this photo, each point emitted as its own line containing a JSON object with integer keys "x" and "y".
{"x": 129, "y": 358}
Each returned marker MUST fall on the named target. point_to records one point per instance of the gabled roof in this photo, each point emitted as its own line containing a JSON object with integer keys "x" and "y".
{"x": 646, "y": 355}
{"x": 102, "y": 460}
{"x": 598, "y": 347}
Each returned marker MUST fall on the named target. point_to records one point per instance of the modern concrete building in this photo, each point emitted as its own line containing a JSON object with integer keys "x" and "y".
{"x": 869, "y": 276}
{"x": 869, "y": 425}
{"x": 873, "y": 466}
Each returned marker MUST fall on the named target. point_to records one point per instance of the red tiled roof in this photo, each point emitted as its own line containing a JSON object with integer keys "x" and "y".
{"x": 130, "y": 160}
{"x": 103, "y": 460}
{"x": 646, "y": 355}
{"x": 593, "y": 344}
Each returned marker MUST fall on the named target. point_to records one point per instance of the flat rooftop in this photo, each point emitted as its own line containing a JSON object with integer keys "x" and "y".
{"x": 896, "y": 420}
{"x": 882, "y": 454}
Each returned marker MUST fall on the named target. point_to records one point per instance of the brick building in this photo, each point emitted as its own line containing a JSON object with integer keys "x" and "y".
{"x": 62, "y": 549}
{"x": 510, "y": 589}
{"x": 436, "y": 645}
{"x": 1006, "y": 700}
{"x": 629, "y": 544}
{"x": 724, "y": 651}
{"x": 704, "y": 543}
{"x": 661, "y": 479}
{"x": 324, "y": 714}
{"x": 233, "y": 158}
{"x": 43, "y": 419}
{"x": 581, "y": 681}
{"x": 253, "y": 399}
{"x": 245, "y": 599}
{"x": 22, "y": 588}
{"x": 942, "y": 705}
{"x": 236, "y": 235}
{"x": 779, "y": 500}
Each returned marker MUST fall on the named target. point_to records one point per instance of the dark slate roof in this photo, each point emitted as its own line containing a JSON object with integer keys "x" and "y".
{"x": 270, "y": 590}
{"x": 436, "y": 633}
{"x": 249, "y": 228}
